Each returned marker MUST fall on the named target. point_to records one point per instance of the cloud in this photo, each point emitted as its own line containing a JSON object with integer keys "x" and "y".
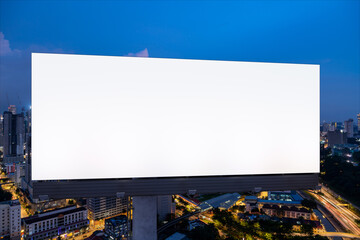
{"x": 15, "y": 73}
{"x": 5, "y": 49}
{"x": 143, "y": 53}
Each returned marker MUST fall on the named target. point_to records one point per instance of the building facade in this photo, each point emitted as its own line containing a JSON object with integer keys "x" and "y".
{"x": 116, "y": 228}
{"x": 287, "y": 212}
{"x": 59, "y": 222}
{"x": 349, "y": 128}
{"x": 336, "y": 137}
{"x": 105, "y": 207}
{"x": 14, "y": 134}
{"x": 165, "y": 206}
{"x": 10, "y": 219}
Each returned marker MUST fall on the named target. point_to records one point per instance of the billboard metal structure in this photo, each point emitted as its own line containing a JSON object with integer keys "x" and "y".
{"x": 169, "y": 186}
{"x": 106, "y": 126}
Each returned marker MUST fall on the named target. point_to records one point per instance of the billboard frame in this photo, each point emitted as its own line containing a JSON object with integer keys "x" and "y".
{"x": 175, "y": 185}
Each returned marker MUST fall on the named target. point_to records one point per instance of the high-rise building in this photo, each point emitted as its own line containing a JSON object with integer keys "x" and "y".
{"x": 1, "y": 132}
{"x": 12, "y": 109}
{"x": 349, "y": 127}
{"x": 10, "y": 220}
{"x": 358, "y": 119}
{"x": 14, "y": 134}
{"x": 19, "y": 173}
{"x": 55, "y": 223}
{"x": 325, "y": 127}
{"x": 165, "y": 206}
{"x": 332, "y": 126}
{"x": 336, "y": 137}
{"x": 26, "y": 181}
{"x": 105, "y": 207}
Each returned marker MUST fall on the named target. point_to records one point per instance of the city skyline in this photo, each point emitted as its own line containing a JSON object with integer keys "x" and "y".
{"x": 308, "y": 32}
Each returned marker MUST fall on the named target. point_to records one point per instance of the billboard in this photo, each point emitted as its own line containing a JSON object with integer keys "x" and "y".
{"x": 103, "y": 117}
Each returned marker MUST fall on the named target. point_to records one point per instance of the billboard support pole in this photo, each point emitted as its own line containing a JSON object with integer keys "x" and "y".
{"x": 144, "y": 217}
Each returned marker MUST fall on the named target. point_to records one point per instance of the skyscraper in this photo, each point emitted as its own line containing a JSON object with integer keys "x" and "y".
{"x": 358, "y": 119}
{"x": 14, "y": 134}
{"x": 1, "y": 132}
{"x": 165, "y": 206}
{"x": 349, "y": 127}
{"x": 12, "y": 109}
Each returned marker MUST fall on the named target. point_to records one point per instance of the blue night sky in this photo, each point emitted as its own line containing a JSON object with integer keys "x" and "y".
{"x": 314, "y": 32}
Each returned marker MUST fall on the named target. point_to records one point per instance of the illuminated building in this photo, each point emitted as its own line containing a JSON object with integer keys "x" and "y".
{"x": 60, "y": 222}
{"x": 14, "y": 135}
{"x": 10, "y": 224}
{"x": 116, "y": 228}
{"x": 105, "y": 207}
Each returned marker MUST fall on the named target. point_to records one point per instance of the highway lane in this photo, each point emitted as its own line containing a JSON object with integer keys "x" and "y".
{"x": 343, "y": 215}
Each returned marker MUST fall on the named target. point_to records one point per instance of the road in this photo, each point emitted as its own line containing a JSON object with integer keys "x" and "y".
{"x": 343, "y": 215}
{"x": 332, "y": 234}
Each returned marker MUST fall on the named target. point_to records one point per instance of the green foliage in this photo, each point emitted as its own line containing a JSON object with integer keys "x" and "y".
{"x": 207, "y": 232}
{"x": 4, "y": 195}
{"x": 307, "y": 229}
{"x": 240, "y": 208}
{"x": 357, "y": 222}
{"x": 183, "y": 224}
{"x": 261, "y": 229}
{"x": 182, "y": 201}
{"x": 343, "y": 177}
{"x": 356, "y": 156}
{"x": 308, "y": 203}
{"x": 277, "y": 228}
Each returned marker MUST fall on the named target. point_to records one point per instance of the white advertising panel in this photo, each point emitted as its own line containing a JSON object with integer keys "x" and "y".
{"x": 96, "y": 117}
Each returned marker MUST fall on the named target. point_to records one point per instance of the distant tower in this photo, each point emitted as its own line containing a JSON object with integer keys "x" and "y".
{"x": 14, "y": 134}
{"x": 12, "y": 109}
{"x": 349, "y": 127}
{"x": 358, "y": 118}
{"x": 1, "y": 130}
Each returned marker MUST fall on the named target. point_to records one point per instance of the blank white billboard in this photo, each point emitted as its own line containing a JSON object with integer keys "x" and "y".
{"x": 96, "y": 117}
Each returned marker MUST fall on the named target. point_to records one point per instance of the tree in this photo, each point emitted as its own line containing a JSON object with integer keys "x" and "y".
{"x": 307, "y": 229}
{"x": 356, "y": 156}
{"x": 308, "y": 203}
{"x": 357, "y": 222}
{"x": 4, "y": 195}
{"x": 318, "y": 237}
{"x": 207, "y": 232}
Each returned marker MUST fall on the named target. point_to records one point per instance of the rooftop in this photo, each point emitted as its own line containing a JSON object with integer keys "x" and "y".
{"x": 11, "y": 202}
{"x": 117, "y": 220}
{"x": 52, "y": 214}
{"x": 224, "y": 201}
{"x": 177, "y": 236}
